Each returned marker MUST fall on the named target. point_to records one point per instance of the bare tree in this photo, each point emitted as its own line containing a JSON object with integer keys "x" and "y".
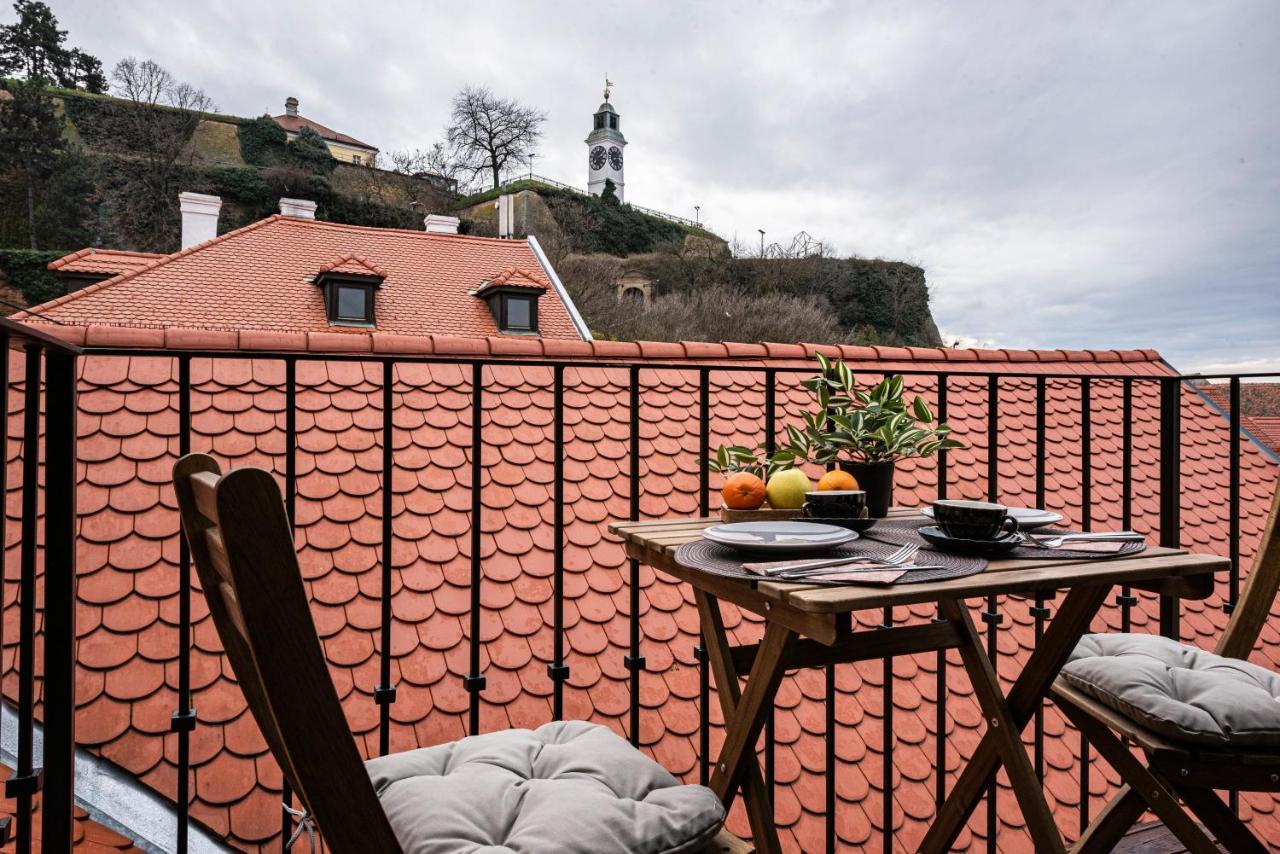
{"x": 487, "y": 133}
{"x": 155, "y": 128}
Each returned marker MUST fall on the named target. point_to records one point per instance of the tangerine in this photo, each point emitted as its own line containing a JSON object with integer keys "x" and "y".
{"x": 837, "y": 479}
{"x": 743, "y": 491}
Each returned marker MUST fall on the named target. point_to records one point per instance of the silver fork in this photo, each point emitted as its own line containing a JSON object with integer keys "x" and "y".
{"x": 901, "y": 557}
{"x": 1054, "y": 542}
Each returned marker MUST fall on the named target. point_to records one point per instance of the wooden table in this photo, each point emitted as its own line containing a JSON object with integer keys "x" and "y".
{"x": 811, "y": 626}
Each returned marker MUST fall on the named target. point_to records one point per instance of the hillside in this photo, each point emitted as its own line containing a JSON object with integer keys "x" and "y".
{"x": 602, "y": 249}
{"x": 95, "y": 192}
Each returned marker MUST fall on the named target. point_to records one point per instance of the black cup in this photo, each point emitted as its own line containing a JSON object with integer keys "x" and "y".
{"x": 835, "y": 504}
{"x": 973, "y": 520}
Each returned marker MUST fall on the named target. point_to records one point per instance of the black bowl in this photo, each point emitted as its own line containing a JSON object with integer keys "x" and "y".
{"x": 859, "y": 525}
{"x": 982, "y": 548}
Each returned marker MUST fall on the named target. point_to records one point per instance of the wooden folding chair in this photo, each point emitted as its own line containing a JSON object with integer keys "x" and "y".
{"x": 1176, "y": 770}
{"x": 244, "y": 554}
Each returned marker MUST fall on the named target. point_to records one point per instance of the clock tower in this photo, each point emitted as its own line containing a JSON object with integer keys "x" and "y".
{"x": 604, "y": 148}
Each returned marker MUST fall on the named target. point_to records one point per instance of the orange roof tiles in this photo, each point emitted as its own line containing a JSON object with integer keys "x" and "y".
{"x": 128, "y": 557}
{"x": 259, "y": 278}
{"x": 103, "y": 261}
{"x": 293, "y": 124}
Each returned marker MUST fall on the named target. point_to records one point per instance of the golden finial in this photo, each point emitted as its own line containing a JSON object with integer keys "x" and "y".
{"x": 608, "y": 85}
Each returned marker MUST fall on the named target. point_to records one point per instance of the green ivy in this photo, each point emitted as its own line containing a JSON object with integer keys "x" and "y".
{"x": 240, "y": 184}
{"x": 262, "y": 141}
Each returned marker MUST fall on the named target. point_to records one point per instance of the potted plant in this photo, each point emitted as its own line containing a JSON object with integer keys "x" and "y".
{"x": 865, "y": 432}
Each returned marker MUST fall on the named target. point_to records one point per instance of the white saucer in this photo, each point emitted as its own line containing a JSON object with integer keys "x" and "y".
{"x": 779, "y": 537}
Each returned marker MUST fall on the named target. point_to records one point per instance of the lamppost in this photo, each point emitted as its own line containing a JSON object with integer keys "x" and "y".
{"x": 697, "y": 214}
{"x": 761, "y": 230}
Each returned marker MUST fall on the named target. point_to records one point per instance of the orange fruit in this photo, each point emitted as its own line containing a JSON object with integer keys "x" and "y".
{"x": 837, "y": 479}
{"x": 743, "y": 491}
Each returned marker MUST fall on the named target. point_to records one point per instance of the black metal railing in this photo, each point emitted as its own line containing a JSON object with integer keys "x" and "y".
{"x": 48, "y": 407}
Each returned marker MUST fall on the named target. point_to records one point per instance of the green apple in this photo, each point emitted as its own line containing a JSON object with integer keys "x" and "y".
{"x": 786, "y": 489}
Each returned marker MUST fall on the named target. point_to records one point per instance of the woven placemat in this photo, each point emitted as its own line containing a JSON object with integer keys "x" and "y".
{"x": 716, "y": 559}
{"x": 897, "y": 532}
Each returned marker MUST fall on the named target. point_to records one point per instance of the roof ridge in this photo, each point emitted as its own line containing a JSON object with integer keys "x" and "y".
{"x": 344, "y": 226}
{"x": 503, "y": 346}
{"x": 35, "y": 310}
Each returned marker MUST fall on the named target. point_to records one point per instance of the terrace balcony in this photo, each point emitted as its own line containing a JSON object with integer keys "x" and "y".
{"x": 451, "y": 500}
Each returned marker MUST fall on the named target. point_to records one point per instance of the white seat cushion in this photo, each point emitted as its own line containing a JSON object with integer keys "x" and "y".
{"x": 568, "y": 786}
{"x": 1179, "y": 691}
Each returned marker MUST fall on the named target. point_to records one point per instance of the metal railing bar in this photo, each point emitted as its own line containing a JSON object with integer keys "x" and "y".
{"x": 474, "y": 681}
{"x": 1170, "y": 490}
{"x": 704, "y": 508}
{"x": 183, "y": 721}
{"x": 829, "y": 748}
{"x": 1086, "y": 517}
{"x": 385, "y": 694}
{"x": 291, "y": 509}
{"x": 750, "y": 366}
{"x": 26, "y": 781}
{"x": 992, "y": 616}
{"x": 1126, "y": 600}
{"x": 557, "y": 669}
{"x": 634, "y": 661}
{"x": 57, "y": 800}
{"x": 940, "y": 705}
{"x": 1039, "y": 611}
{"x": 770, "y": 446}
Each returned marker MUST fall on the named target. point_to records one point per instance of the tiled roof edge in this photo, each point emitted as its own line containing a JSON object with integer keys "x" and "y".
{"x": 59, "y": 263}
{"x": 36, "y": 310}
{"x": 505, "y": 346}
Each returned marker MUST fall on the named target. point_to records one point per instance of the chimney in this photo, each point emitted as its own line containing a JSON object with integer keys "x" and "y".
{"x": 199, "y": 217}
{"x": 301, "y": 208}
{"x": 441, "y": 224}
{"x": 291, "y": 106}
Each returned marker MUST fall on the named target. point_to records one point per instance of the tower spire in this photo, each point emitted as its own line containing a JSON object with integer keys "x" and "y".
{"x": 608, "y": 86}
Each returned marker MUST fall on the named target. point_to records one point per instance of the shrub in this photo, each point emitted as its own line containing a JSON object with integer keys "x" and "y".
{"x": 310, "y": 152}
{"x": 240, "y": 183}
{"x": 262, "y": 141}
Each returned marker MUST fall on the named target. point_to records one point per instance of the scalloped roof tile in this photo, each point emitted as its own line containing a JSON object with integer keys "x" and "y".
{"x": 96, "y": 261}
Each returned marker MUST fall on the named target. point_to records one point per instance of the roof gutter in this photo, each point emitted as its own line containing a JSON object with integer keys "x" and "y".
{"x": 114, "y": 798}
{"x": 578, "y": 322}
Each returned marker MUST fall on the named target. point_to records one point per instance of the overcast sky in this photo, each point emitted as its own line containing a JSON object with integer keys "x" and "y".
{"x": 1074, "y": 174}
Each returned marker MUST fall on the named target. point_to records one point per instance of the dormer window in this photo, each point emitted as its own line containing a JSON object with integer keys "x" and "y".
{"x": 350, "y": 285}
{"x": 512, "y": 297}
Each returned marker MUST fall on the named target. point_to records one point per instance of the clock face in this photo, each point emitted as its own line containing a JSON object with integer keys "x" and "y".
{"x": 615, "y": 158}
{"x": 597, "y": 157}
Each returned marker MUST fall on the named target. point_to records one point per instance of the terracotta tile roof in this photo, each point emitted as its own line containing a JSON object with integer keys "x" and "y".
{"x": 356, "y": 265}
{"x": 128, "y": 583}
{"x": 1259, "y": 410}
{"x": 90, "y": 837}
{"x": 1255, "y": 398}
{"x": 513, "y": 278}
{"x": 258, "y": 278}
{"x": 103, "y": 261}
{"x": 293, "y": 124}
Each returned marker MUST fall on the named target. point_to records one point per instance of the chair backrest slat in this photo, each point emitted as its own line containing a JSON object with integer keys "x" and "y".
{"x": 1254, "y": 606}
{"x": 242, "y": 547}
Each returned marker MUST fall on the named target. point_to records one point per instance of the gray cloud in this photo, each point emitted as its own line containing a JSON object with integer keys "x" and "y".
{"x": 1083, "y": 174}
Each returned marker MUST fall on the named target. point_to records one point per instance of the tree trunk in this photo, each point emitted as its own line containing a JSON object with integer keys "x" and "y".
{"x": 31, "y": 209}
{"x": 496, "y": 174}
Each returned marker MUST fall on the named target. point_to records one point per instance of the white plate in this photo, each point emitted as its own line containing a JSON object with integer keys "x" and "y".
{"x": 779, "y": 537}
{"x": 1029, "y": 518}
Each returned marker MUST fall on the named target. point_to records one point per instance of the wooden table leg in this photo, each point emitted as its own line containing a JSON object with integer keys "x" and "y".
{"x": 1004, "y": 733}
{"x": 744, "y": 716}
{"x": 1029, "y": 690}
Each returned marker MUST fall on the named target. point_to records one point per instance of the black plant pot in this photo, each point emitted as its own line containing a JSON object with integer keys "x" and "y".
{"x": 876, "y": 479}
